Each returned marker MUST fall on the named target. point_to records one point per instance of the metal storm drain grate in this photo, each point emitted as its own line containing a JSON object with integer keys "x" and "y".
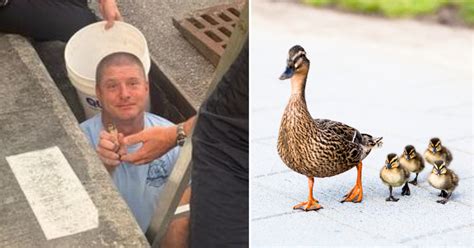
{"x": 209, "y": 29}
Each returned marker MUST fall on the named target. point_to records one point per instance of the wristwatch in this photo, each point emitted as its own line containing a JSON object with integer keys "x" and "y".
{"x": 181, "y": 135}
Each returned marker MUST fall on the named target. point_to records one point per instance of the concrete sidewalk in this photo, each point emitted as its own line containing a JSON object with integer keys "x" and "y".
{"x": 404, "y": 80}
{"x": 35, "y": 116}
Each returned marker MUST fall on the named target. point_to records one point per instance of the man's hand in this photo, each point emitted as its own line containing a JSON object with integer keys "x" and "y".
{"x": 110, "y": 149}
{"x": 110, "y": 12}
{"x": 156, "y": 142}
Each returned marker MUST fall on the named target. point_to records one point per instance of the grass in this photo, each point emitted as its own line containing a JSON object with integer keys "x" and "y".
{"x": 467, "y": 11}
{"x": 401, "y": 8}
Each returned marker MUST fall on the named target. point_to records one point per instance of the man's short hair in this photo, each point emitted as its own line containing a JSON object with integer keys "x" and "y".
{"x": 117, "y": 59}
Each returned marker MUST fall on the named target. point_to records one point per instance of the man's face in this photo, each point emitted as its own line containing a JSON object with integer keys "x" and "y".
{"x": 123, "y": 91}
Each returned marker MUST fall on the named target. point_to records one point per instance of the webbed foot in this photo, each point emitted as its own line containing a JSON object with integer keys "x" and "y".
{"x": 308, "y": 205}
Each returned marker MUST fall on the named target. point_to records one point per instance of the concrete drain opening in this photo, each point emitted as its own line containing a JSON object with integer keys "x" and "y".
{"x": 209, "y": 29}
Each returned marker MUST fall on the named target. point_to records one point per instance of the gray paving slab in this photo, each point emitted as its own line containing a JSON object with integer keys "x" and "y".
{"x": 28, "y": 93}
{"x": 400, "y": 79}
{"x": 265, "y": 163}
{"x": 418, "y": 211}
{"x": 447, "y": 237}
{"x": 307, "y": 232}
{"x": 35, "y": 116}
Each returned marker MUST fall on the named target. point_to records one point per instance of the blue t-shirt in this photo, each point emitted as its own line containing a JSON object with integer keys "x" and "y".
{"x": 139, "y": 185}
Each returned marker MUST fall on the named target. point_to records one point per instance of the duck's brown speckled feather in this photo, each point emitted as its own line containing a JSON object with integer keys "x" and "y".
{"x": 316, "y": 148}
{"x": 345, "y": 131}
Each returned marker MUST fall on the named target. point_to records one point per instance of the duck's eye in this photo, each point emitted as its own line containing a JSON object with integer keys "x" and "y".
{"x": 297, "y": 64}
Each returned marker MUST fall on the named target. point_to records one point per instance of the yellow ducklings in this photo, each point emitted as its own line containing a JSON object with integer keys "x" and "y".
{"x": 436, "y": 151}
{"x": 412, "y": 161}
{"x": 394, "y": 175}
{"x": 396, "y": 171}
{"x": 444, "y": 179}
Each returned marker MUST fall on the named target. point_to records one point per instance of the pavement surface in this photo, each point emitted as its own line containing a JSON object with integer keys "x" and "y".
{"x": 404, "y": 80}
{"x": 34, "y": 116}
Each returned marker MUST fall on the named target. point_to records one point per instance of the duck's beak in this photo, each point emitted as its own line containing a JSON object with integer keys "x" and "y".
{"x": 288, "y": 73}
{"x": 388, "y": 165}
{"x": 407, "y": 157}
{"x": 433, "y": 150}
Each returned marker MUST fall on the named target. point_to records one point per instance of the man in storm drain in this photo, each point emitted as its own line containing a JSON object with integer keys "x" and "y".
{"x": 123, "y": 90}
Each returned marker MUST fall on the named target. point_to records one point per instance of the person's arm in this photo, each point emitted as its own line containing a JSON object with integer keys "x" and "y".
{"x": 110, "y": 12}
{"x": 156, "y": 142}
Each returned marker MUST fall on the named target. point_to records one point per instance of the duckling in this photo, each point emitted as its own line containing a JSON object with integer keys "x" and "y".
{"x": 436, "y": 151}
{"x": 444, "y": 179}
{"x": 318, "y": 147}
{"x": 393, "y": 174}
{"x": 412, "y": 161}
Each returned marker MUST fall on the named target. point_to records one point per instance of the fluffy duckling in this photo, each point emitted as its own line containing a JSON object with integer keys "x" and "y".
{"x": 444, "y": 179}
{"x": 394, "y": 175}
{"x": 436, "y": 151}
{"x": 412, "y": 161}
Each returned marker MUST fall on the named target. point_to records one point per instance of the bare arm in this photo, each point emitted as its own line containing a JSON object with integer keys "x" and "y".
{"x": 110, "y": 12}
{"x": 156, "y": 142}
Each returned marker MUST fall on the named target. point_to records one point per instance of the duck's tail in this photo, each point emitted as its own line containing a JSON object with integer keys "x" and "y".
{"x": 369, "y": 142}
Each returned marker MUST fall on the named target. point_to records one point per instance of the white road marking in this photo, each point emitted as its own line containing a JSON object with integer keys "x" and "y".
{"x": 56, "y": 196}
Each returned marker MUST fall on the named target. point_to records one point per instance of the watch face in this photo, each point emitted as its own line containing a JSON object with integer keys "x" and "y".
{"x": 181, "y": 139}
{"x": 181, "y": 135}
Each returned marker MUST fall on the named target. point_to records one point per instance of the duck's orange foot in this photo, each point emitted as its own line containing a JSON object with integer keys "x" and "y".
{"x": 308, "y": 205}
{"x": 355, "y": 195}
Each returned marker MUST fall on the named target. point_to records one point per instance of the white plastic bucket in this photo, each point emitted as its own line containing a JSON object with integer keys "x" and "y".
{"x": 89, "y": 45}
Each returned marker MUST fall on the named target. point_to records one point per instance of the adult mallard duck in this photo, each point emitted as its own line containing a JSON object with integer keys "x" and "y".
{"x": 318, "y": 147}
